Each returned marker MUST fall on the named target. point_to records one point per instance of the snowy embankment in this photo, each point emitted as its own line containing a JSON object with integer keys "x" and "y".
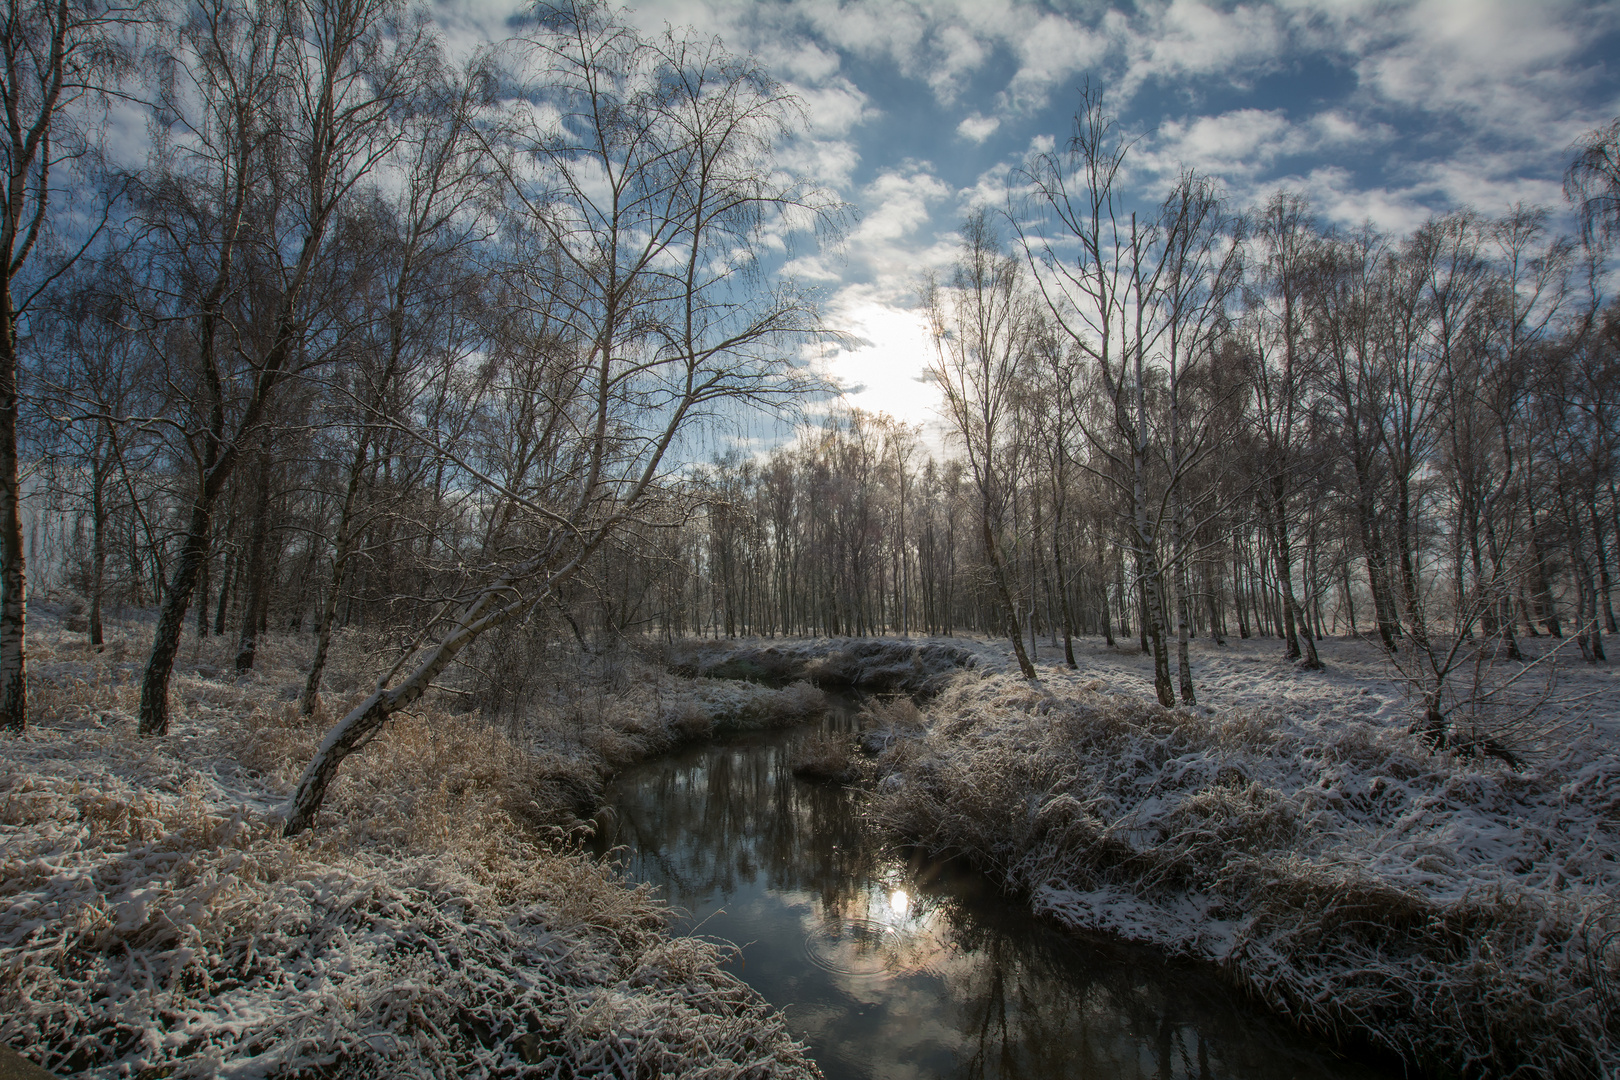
{"x": 1449, "y": 909}
{"x": 917, "y": 666}
{"x": 154, "y": 922}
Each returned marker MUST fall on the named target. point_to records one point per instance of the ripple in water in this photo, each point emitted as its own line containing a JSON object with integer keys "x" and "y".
{"x": 856, "y": 947}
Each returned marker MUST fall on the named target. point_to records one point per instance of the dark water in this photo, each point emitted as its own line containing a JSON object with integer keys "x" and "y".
{"x": 897, "y": 967}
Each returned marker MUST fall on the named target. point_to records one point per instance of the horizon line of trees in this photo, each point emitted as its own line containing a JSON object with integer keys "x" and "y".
{"x": 1205, "y": 423}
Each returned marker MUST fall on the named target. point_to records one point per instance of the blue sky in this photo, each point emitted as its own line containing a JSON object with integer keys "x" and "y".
{"x": 1377, "y": 111}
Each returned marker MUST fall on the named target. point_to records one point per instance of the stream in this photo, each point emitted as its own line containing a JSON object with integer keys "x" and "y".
{"x": 895, "y": 967}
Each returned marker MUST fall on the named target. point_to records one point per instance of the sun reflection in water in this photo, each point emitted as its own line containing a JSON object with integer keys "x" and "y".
{"x": 900, "y": 903}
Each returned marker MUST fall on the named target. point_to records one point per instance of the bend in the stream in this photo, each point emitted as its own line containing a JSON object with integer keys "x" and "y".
{"x": 892, "y": 965}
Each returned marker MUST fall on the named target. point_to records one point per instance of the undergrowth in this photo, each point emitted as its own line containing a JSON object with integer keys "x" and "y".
{"x": 153, "y": 921}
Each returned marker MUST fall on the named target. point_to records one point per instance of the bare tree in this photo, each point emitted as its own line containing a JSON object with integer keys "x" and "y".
{"x": 653, "y": 187}
{"x": 1202, "y": 266}
{"x": 1283, "y": 360}
{"x": 279, "y": 119}
{"x": 1143, "y": 302}
{"x": 981, "y": 327}
{"x": 1095, "y": 268}
{"x": 420, "y": 241}
{"x": 58, "y": 55}
{"x": 1592, "y": 182}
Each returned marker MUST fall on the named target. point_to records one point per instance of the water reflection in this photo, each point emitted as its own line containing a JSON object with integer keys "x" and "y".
{"x": 896, "y": 967}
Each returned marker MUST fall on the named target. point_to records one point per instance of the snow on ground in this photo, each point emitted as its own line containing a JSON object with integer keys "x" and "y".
{"x": 1290, "y": 828}
{"x": 153, "y": 922}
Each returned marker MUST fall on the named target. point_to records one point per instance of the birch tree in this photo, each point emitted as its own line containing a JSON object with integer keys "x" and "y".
{"x": 57, "y": 55}
{"x": 981, "y": 326}
{"x": 1283, "y": 360}
{"x": 274, "y": 117}
{"x": 1141, "y": 302}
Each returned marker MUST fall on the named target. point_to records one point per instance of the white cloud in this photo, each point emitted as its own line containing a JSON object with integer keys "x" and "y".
{"x": 1487, "y": 182}
{"x": 977, "y": 128}
{"x": 799, "y": 59}
{"x": 1339, "y": 201}
{"x": 1243, "y": 144}
{"x": 1336, "y": 128}
{"x": 1190, "y": 38}
{"x": 989, "y": 189}
{"x": 899, "y": 202}
{"x": 869, "y": 27}
{"x": 1051, "y": 50}
{"x": 834, "y": 109}
{"x": 828, "y": 162}
{"x": 1237, "y": 142}
{"x": 956, "y": 54}
{"x": 1473, "y": 55}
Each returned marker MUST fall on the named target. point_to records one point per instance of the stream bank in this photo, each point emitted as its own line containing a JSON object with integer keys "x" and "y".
{"x": 1438, "y": 907}
{"x": 155, "y": 922}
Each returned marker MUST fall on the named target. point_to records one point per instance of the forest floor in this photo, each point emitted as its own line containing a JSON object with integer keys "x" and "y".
{"x": 440, "y": 921}
{"x": 1445, "y": 906}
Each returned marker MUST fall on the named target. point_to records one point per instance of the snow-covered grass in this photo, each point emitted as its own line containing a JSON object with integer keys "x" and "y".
{"x": 1447, "y": 908}
{"x": 154, "y": 922}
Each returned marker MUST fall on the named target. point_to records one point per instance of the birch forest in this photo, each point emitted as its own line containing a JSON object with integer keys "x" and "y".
{"x": 340, "y": 346}
{"x": 432, "y": 536}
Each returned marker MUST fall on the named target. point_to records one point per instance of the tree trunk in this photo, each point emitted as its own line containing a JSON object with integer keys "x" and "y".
{"x": 1544, "y": 598}
{"x": 1598, "y": 546}
{"x": 1063, "y": 593}
{"x": 154, "y": 714}
{"x": 202, "y": 595}
{"x": 227, "y": 577}
{"x": 1293, "y": 616}
{"x": 13, "y": 581}
{"x": 485, "y": 612}
{"x": 1153, "y": 623}
{"x": 98, "y": 554}
{"x": 1214, "y": 597}
{"x": 342, "y": 548}
{"x": 1174, "y": 573}
{"x": 1107, "y": 608}
{"x": 1239, "y": 588}
{"x": 999, "y": 572}
{"x": 255, "y": 586}
{"x": 1405, "y": 544}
